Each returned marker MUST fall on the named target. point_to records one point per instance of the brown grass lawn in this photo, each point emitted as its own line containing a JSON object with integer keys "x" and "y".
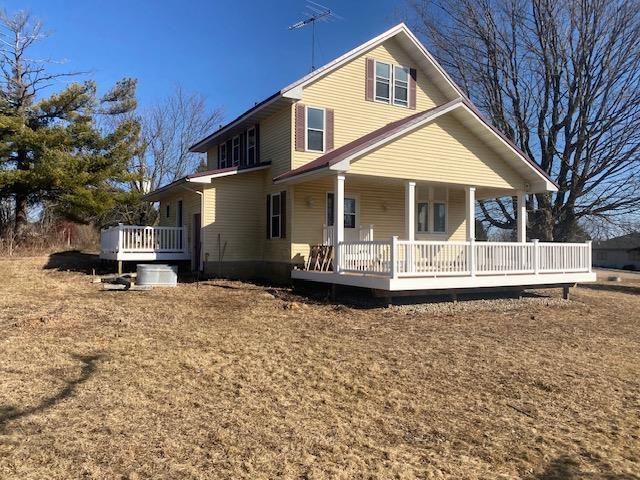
{"x": 224, "y": 380}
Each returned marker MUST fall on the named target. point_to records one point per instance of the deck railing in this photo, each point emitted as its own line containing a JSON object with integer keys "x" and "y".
{"x": 403, "y": 258}
{"x": 136, "y": 238}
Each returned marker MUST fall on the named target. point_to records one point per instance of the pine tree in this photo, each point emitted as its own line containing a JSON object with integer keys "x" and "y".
{"x": 70, "y": 149}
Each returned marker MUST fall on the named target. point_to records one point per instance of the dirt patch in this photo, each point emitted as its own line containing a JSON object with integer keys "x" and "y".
{"x": 233, "y": 380}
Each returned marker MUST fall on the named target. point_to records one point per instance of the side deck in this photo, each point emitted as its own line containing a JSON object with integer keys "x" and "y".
{"x": 415, "y": 265}
{"x": 142, "y": 243}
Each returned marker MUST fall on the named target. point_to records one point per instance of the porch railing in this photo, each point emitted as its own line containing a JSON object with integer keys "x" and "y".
{"x": 137, "y": 238}
{"x": 403, "y": 258}
{"x": 365, "y": 233}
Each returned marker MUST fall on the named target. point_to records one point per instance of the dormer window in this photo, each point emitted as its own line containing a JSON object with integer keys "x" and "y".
{"x": 392, "y": 84}
{"x": 315, "y": 129}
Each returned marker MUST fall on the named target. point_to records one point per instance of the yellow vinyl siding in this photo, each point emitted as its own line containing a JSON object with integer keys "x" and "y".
{"x": 190, "y": 206}
{"x": 380, "y": 204}
{"x": 442, "y": 151}
{"x": 343, "y": 90}
{"x": 276, "y": 141}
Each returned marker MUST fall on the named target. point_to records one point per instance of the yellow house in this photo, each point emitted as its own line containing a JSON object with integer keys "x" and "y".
{"x": 365, "y": 172}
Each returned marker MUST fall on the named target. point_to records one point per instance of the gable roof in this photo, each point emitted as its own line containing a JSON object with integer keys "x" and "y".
{"x": 340, "y": 157}
{"x": 293, "y": 92}
{"x": 631, "y": 241}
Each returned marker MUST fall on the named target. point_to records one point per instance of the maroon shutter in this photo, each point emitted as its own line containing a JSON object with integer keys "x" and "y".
{"x": 243, "y": 149}
{"x": 283, "y": 214}
{"x": 369, "y": 78}
{"x": 300, "y": 128}
{"x": 257, "y": 127}
{"x": 413, "y": 74}
{"x": 329, "y": 129}
{"x": 268, "y": 216}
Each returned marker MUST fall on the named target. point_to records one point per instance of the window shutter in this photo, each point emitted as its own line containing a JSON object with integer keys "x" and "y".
{"x": 283, "y": 214}
{"x": 268, "y": 217}
{"x": 219, "y": 166}
{"x": 368, "y": 93}
{"x": 300, "y": 128}
{"x": 329, "y": 130}
{"x": 257, "y": 127}
{"x": 413, "y": 74}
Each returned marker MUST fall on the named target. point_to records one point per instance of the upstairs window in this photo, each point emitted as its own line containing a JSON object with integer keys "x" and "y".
{"x": 315, "y": 129}
{"x": 251, "y": 146}
{"x": 400, "y": 86}
{"x": 383, "y": 82}
{"x": 235, "y": 149}
{"x": 222, "y": 161}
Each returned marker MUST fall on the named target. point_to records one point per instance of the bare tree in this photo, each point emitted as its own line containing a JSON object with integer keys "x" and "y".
{"x": 169, "y": 128}
{"x": 562, "y": 80}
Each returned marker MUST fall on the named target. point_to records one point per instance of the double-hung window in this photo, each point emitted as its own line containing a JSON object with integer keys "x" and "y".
{"x": 251, "y": 146}
{"x": 315, "y": 129}
{"x": 275, "y": 215}
{"x": 439, "y": 217}
{"x": 383, "y": 82}
{"x": 431, "y": 210}
{"x": 423, "y": 217}
{"x": 392, "y": 84}
{"x": 350, "y": 211}
{"x": 235, "y": 150}
{"x": 222, "y": 161}
{"x": 400, "y": 85}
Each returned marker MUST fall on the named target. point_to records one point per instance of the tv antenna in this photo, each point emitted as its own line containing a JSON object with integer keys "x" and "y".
{"x": 315, "y": 12}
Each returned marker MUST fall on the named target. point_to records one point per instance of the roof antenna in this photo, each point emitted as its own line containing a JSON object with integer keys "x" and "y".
{"x": 314, "y": 12}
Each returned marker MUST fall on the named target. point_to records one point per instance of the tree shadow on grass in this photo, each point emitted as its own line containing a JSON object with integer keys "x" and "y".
{"x": 76, "y": 261}
{"x": 630, "y": 289}
{"x": 566, "y": 468}
{"x": 9, "y": 413}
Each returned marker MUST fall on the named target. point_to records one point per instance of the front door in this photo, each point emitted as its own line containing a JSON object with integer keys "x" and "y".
{"x": 196, "y": 241}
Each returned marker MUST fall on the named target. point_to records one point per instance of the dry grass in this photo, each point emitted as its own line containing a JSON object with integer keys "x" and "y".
{"x": 225, "y": 380}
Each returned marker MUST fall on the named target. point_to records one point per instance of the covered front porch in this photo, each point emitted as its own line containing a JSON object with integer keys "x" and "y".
{"x": 431, "y": 246}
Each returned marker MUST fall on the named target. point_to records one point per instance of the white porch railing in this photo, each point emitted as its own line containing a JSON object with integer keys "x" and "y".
{"x": 131, "y": 239}
{"x": 402, "y": 258}
{"x": 362, "y": 233}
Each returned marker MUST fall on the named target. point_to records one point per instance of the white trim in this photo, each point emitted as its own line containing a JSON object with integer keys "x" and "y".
{"x": 306, "y": 129}
{"x": 208, "y": 178}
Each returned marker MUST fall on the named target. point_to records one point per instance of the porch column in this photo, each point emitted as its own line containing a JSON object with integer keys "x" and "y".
{"x": 521, "y": 216}
{"x": 338, "y": 217}
{"x": 410, "y": 210}
{"x": 471, "y": 213}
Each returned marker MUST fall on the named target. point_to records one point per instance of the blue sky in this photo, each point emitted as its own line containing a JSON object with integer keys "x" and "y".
{"x": 234, "y": 52}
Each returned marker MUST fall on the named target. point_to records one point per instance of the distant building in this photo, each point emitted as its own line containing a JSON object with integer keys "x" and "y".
{"x": 619, "y": 252}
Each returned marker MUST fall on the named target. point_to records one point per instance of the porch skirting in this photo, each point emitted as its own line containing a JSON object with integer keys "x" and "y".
{"x": 382, "y": 282}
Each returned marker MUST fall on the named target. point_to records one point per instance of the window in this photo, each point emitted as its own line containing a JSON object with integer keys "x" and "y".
{"x": 431, "y": 209}
{"x": 222, "y": 161}
{"x": 350, "y": 211}
{"x": 251, "y": 146}
{"x": 392, "y": 84}
{"x": 168, "y": 210}
{"x": 315, "y": 129}
{"x": 423, "y": 217}
{"x": 275, "y": 215}
{"x": 439, "y": 218}
{"x": 383, "y": 82}
{"x": 235, "y": 150}
{"x": 400, "y": 86}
